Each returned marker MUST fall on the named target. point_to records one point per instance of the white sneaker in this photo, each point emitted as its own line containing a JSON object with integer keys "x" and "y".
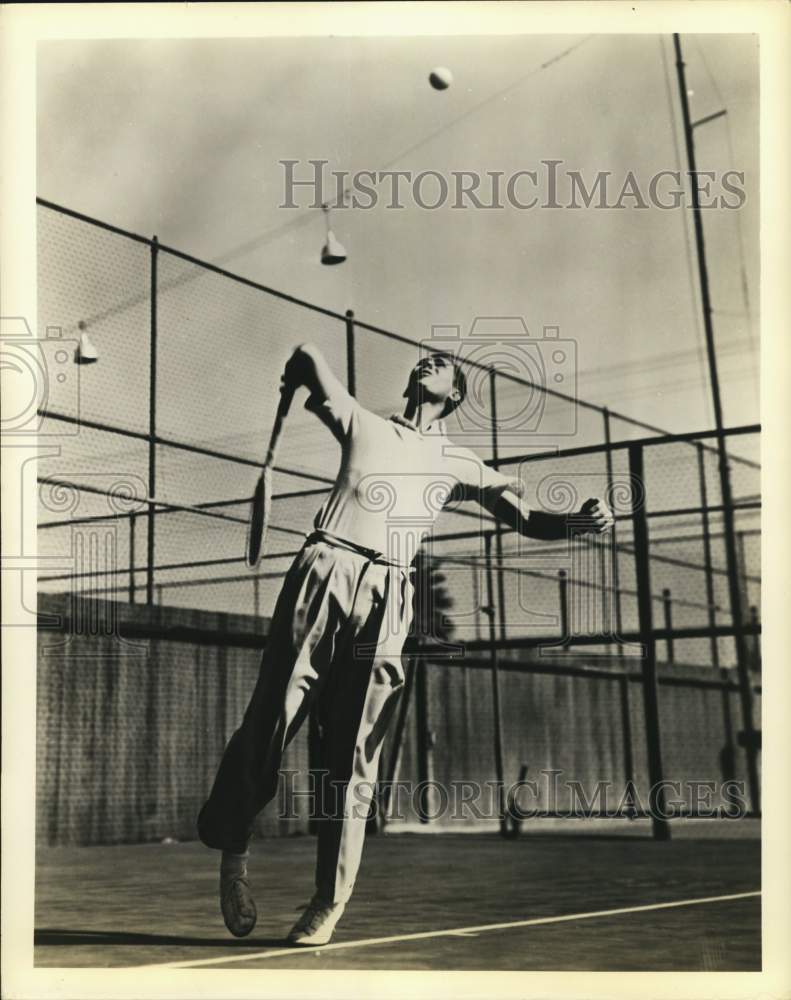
{"x": 317, "y": 923}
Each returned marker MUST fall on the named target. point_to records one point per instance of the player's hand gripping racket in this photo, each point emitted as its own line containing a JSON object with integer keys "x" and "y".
{"x": 261, "y": 506}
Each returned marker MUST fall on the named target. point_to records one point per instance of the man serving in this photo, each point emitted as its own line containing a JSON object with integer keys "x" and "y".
{"x": 342, "y": 617}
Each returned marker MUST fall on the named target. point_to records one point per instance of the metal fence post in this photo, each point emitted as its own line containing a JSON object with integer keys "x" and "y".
{"x": 564, "y": 603}
{"x": 613, "y": 534}
{"x": 709, "y": 572}
{"x": 626, "y": 723}
{"x": 152, "y": 424}
{"x": 744, "y": 590}
{"x": 422, "y": 732}
{"x": 667, "y": 605}
{"x": 727, "y": 755}
{"x": 132, "y": 522}
{"x": 661, "y": 828}
{"x": 756, "y": 650}
{"x": 498, "y": 537}
{"x": 490, "y": 612}
{"x": 600, "y": 553}
{"x": 476, "y": 598}
{"x": 749, "y": 738}
{"x": 351, "y": 381}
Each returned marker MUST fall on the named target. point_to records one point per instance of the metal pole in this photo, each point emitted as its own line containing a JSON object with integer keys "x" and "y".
{"x": 421, "y": 722}
{"x": 489, "y": 610}
{"x": 745, "y": 690}
{"x": 667, "y": 604}
{"x": 351, "y": 386}
{"x": 132, "y": 522}
{"x": 256, "y": 596}
{"x": 727, "y": 755}
{"x": 600, "y": 549}
{"x": 754, "y": 623}
{"x": 152, "y": 425}
{"x": 661, "y": 828}
{"x": 498, "y": 537}
{"x": 564, "y": 603}
{"x": 476, "y": 598}
{"x": 707, "y": 561}
{"x": 744, "y": 586}
{"x": 351, "y": 381}
{"x": 613, "y": 534}
{"x": 626, "y": 723}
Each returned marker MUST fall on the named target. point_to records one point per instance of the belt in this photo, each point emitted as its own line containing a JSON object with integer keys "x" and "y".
{"x": 373, "y": 555}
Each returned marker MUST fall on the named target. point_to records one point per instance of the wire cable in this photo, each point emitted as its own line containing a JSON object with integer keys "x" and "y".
{"x": 477, "y": 107}
{"x": 744, "y": 284}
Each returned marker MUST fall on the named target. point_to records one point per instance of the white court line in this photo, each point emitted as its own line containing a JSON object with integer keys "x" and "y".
{"x": 451, "y": 932}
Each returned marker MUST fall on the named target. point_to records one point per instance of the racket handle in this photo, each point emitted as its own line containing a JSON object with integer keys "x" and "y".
{"x": 286, "y": 395}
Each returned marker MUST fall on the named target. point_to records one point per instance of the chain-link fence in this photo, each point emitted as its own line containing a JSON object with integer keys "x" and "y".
{"x": 161, "y": 443}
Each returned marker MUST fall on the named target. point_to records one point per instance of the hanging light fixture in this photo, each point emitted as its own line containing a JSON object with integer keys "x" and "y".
{"x": 332, "y": 252}
{"x": 85, "y": 352}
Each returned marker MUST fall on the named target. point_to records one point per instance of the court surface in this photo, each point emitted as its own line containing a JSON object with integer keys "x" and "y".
{"x": 422, "y": 902}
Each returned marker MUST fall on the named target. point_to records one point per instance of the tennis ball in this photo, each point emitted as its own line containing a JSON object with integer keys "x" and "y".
{"x": 440, "y": 78}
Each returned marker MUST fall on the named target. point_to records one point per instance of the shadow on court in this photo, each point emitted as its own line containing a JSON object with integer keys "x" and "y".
{"x": 53, "y": 936}
{"x": 422, "y": 902}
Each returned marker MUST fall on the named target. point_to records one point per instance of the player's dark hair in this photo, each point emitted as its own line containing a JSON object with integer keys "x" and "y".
{"x": 459, "y": 383}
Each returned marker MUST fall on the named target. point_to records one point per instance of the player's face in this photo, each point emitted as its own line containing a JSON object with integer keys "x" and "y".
{"x": 433, "y": 377}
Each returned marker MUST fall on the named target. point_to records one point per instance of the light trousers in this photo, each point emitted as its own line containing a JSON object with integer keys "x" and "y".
{"x": 335, "y": 643}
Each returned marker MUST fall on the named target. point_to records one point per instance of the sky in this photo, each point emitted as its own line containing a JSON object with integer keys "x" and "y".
{"x": 183, "y": 139}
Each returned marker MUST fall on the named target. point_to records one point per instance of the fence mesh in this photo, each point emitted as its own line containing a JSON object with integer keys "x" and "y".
{"x": 162, "y": 520}
{"x": 100, "y": 279}
{"x": 221, "y": 346}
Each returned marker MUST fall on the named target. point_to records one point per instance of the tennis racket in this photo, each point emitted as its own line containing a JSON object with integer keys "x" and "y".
{"x": 261, "y": 505}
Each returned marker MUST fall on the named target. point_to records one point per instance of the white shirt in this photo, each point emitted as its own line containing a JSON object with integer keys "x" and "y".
{"x": 393, "y": 479}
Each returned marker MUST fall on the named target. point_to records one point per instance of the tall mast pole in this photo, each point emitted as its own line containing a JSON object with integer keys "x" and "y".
{"x": 750, "y": 738}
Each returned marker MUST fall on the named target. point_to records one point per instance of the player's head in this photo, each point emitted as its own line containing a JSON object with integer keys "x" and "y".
{"x": 438, "y": 378}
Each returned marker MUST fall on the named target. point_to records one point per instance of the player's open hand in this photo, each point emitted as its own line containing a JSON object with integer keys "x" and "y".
{"x": 595, "y": 517}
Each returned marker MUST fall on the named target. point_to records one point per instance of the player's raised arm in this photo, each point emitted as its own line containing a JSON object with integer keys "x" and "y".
{"x": 308, "y": 367}
{"x": 327, "y": 396}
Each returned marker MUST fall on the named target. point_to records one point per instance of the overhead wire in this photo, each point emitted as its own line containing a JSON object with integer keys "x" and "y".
{"x": 645, "y": 366}
{"x": 482, "y": 104}
{"x": 256, "y": 242}
{"x": 743, "y": 281}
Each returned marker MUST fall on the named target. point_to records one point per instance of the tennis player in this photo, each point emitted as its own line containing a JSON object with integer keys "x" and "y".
{"x": 341, "y": 619}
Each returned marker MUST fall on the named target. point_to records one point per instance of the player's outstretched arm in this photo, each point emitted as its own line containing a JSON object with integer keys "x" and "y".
{"x": 501, "y": 495}
{"x": 594, "y": 517}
